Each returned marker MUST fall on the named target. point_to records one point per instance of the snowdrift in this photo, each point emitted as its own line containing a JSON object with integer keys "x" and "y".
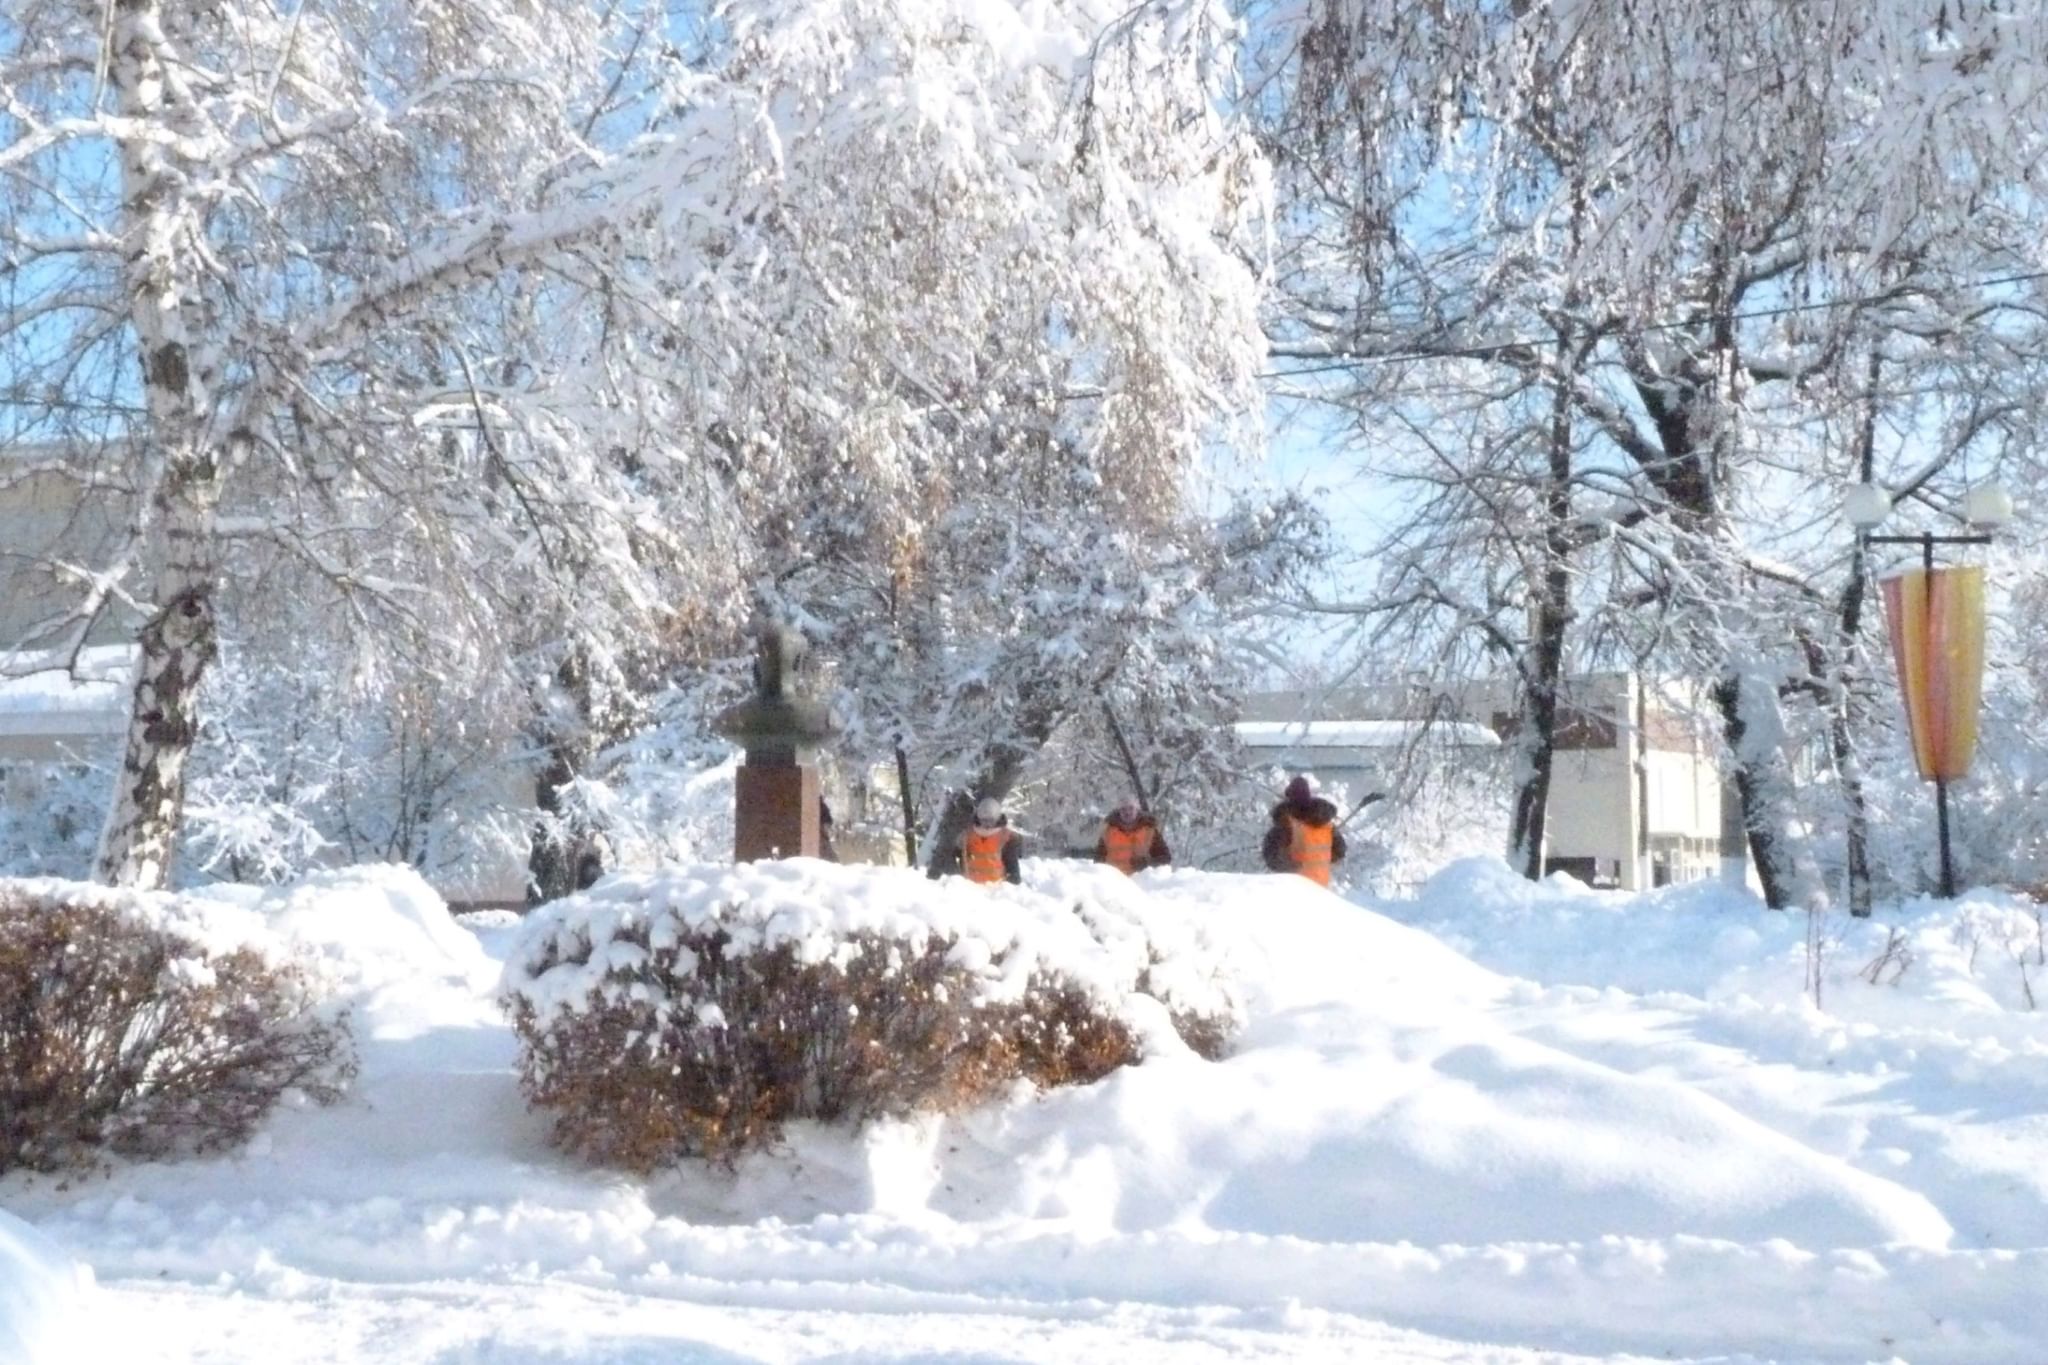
{"x": 1375, "y": 1097}
{"x": 1624, "y": 1127}
{"x": 45, "y": 1298}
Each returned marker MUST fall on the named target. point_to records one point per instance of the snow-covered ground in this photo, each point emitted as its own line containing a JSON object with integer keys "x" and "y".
{"x": 1498, "y": 1123}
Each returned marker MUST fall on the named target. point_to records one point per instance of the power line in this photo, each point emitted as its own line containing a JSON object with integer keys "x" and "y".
{"x": 1485, "y": 349}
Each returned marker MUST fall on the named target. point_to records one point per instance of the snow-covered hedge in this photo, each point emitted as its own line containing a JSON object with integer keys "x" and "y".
{"x": 693, "y": 1012}
{"x": 136, "y": 1024}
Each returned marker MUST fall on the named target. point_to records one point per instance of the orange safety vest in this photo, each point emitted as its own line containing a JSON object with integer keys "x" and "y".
{"x": 1309, "y": 846}
{"x": 1127, "y": 850}
{"x": 981, "y": 854}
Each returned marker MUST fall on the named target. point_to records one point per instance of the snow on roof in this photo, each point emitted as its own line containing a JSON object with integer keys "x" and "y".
{"x": 1359, "y": 734}
{"x": 40, "y": 697}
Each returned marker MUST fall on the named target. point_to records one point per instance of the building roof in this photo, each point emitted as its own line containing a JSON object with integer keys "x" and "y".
{"x": 1360, "y": 734}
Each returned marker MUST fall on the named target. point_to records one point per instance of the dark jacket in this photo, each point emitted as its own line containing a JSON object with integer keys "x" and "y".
{"x": 1280, "y": 839}
{"x": 948, "y": 861}
{"x": 1157, "y": 854}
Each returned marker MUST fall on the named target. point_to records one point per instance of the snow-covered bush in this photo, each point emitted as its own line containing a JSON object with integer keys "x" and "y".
{"x": 693, "y": 1013}
{"x": 126, "y": 1027}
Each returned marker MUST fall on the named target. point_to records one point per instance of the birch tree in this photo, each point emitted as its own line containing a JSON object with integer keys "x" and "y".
{"x": 245, "y": 245}
{"x": 494, "y": 317}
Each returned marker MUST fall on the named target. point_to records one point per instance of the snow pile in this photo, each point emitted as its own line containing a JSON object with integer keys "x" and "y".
{"x": 1986, "y": 951}
{"x": 1089, "y": 926}
{"x": 1375, "y": 1095}
{"x": 44, "y": 1298}
{"x": 1646, "y": 1139}
{"x": 214, "y": 925}
{"x": 357, "y": 929}
{"x": 372, "y": 928}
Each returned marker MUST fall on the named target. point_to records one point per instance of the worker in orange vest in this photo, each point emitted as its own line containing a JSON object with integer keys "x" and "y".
{"x": 988, "y": 850}
{"x": 1304, "y": 837}
{"x": 1131, "y": 840}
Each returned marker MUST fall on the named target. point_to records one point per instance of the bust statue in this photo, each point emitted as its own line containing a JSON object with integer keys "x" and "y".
{"x": 777, "y": 726}
{"x": 778, "y": 655}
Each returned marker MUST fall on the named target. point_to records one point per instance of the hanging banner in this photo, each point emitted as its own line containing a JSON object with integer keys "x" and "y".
{"x": 1936, "y": 619}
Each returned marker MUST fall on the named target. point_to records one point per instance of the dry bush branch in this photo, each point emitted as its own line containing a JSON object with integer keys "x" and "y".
{"x": 117, "y": 1035}
{"x": 694, "y": 1048}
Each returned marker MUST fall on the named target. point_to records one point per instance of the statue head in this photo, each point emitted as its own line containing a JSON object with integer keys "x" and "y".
{"x": 779, "y": 653}
{"x": 778, "y": 724}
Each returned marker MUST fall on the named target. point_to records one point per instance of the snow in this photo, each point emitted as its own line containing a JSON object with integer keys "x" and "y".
{"x": 1086, "y": 923}
{"x": 43, "y": 1294}
{"x": 1499, "y": 1121}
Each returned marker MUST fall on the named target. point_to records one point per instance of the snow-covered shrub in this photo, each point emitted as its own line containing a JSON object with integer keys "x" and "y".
{"x": 123, "y": 1028}
{"x": 695, "y": 1012}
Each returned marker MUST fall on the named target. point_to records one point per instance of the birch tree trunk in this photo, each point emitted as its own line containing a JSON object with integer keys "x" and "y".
{"x": 175, "y": 512}
{"x": 176, "y": 646}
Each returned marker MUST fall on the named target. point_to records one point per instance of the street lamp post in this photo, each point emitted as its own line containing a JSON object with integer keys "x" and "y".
{"x": 1985, "y": 509}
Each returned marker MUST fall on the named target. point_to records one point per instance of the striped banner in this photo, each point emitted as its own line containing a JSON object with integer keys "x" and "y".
{"x": 1936, "y": 619}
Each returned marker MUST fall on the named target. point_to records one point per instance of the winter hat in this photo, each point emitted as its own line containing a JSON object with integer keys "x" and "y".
{"x": 1127, "y": 809}
{"x": 1298, "y": 792}
{"x": 987, "y": 811}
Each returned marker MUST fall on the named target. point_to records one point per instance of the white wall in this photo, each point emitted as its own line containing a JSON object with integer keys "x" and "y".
{"x": 45, "y": 517}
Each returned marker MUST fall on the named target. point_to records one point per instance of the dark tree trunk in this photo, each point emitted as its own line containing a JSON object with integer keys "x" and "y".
{"x": 1842, "y": 685}
{"x": 1126, "y": 757}
{"x": 562, "y": 857}
{"x": 1834, "y": 679}
{"x": 1542, "y": 666}
{"x": 908, "y": 802}
{"x": 1768, "y": 848}
{"x": 566, "y": 852}
{"x": 1687, "y": 471}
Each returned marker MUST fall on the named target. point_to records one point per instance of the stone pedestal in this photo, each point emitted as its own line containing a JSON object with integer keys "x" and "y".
{"x": 775, "y": 812}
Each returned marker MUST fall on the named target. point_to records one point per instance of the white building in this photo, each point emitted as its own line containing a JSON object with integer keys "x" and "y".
{"x": 1359, "y": 756}
{"x": 1636, "y": 793}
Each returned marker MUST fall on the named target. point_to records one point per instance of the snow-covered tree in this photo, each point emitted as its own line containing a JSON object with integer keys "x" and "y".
{"x": 526, "y": 324}
{"x": 1693, "y": 223}
{"x": 1029, "y": 612}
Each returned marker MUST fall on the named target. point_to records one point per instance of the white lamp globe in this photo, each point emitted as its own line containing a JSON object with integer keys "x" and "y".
{"x": 1987, "y": 505}
{"x": 1866, "y": 505}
